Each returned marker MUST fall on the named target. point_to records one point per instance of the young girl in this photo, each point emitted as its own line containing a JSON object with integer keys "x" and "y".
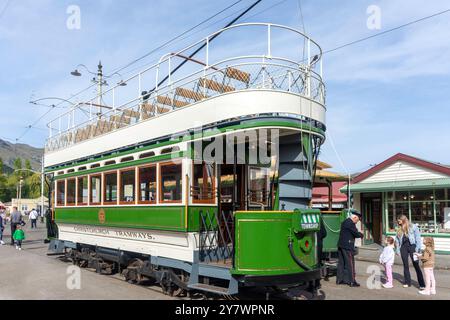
{"x": 428, "y": 266}
{"x": 19, "y": 236}
{"x": 387, "y": 260}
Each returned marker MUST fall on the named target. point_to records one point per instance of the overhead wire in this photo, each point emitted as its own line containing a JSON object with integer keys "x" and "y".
{"x": 276, "y": 4}
{"x": 122, "y": 68}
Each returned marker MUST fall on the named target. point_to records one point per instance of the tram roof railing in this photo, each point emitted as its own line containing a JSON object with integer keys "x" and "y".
{"x": 218, "y": 74}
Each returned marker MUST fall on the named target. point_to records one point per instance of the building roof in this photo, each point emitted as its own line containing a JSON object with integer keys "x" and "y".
{"x": 320, "y": 194}
{"x": 406, "y": 158}
{"x": 323, "y": 165}
{"x": 398, "y": 185}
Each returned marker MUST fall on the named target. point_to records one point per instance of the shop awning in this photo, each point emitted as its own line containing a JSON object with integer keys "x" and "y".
{"x": 398, "y": 185}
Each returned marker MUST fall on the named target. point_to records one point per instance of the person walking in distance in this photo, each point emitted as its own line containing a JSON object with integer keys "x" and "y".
{"x": 33, "y": 218}
{"x": 19, "y": 236}
{"x": 16, "y": 218}
{"x": 346, "y": 250}
{"x": 2, "y": 227}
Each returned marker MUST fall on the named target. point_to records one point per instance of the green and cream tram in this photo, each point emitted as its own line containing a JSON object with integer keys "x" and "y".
{"x": 203, "y": 182}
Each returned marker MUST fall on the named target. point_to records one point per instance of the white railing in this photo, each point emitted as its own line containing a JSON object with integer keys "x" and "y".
{"x": 281, "y": 67}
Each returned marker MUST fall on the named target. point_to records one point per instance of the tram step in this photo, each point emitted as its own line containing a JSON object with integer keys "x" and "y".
{"x": 209, "y": 288}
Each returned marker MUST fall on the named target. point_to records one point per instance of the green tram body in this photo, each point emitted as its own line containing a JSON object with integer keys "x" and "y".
{"x": 261, "y": 254}
{"x": 249, "y": 225}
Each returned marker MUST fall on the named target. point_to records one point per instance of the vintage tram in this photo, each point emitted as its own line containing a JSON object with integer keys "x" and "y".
{"x": 203, "y": 182}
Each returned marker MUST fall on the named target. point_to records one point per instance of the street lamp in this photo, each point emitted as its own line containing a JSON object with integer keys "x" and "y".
{"x": 99, "y": 80}
{"x": 42, "y": 184}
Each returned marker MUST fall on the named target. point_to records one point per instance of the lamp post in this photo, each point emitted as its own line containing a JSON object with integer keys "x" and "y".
{"x": 20, "y": 193}
{"x": 99, "y": 80}
{"x": 42, "y": 184}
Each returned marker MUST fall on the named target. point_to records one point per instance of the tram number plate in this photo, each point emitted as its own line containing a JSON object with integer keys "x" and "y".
{"x": 309, "y": 222}
{"x": 310, "y": 226}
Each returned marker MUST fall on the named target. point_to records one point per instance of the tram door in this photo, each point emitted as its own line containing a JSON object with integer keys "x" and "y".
{"x": 231, "y": 196}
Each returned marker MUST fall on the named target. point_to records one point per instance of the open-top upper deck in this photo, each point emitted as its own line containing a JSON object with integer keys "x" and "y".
{"x": 249, "y": 68}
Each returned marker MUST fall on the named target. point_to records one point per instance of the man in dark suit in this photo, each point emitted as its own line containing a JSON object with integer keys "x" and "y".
{"x": 346, "y": 250}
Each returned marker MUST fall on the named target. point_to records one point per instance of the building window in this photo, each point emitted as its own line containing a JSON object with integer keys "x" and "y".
{"x": 258, "y": 187}
{"x": 443, "y": 216}
{"x": 61, "y": 193}
{"x": 71, "y": 188}
{"x": 203, "y": 184}
{"x": 110, "y": 194}
{"x": 426, "y": 208}
{"x": 171, "y": 183}
{"x": 147, "y": 185}
{"x": 83, "y": 192}
{"x": 96, "y": 187}
{"x": 422, "y": 214}
{"x": 127, "y": 186}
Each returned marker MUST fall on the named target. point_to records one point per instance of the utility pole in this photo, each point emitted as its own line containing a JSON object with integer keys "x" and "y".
{"x": 100, "y": 88}
{"x": 20, "y": 193}
{"x": 42, "y": 186}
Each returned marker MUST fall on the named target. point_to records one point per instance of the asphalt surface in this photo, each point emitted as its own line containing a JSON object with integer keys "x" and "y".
{"x": 32, "y": 274}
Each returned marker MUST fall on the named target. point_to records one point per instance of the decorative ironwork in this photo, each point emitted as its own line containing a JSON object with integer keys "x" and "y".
{"x": 216, "y": 237}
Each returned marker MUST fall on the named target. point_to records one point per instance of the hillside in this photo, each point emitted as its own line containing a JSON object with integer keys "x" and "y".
{"x": 10, "y": 151}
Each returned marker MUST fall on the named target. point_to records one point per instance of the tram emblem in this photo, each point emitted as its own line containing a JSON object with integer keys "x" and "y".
{"x": 101, "y": 216}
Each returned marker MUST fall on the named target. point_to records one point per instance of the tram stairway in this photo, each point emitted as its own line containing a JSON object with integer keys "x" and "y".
{"x": 294, "y": 176}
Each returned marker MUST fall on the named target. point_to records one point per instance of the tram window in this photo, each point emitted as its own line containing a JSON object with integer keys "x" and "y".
{"x": 82, "y": 168}
{"x": 70, "y": 170}
{"x": 258, "y": 186}
{"x": 171, "y": 183}
{"x": 147, "y": 155}
{"x": 71, "y": 183}
{"x": 95, "y": 165}
{"x": 107, "y": 163}
{"x": 96, "y": 187}
{"x": 110, "y": 194}
{"x": 203, "y": 183}
{"x": 82, "y": 197}
{"x": 127, "y": 186}
{"x": 170, "y": 150}
{"x": 127, "y": 159}
{"x": 61, "y": 193}
{"x": 147, "y": 184}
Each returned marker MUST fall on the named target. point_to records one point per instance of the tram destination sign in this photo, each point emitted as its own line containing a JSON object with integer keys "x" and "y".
{"x": 310, "y": 222}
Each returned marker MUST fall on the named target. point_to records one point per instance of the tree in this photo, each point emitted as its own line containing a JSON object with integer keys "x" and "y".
{"x": 18, "y": 164}
{"x": 1, "y": 166}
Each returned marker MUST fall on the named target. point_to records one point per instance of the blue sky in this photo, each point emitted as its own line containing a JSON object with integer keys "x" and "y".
{"x": 385, "y": 95}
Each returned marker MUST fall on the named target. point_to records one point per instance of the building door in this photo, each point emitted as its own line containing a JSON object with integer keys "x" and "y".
{"x": 371, "y": 222}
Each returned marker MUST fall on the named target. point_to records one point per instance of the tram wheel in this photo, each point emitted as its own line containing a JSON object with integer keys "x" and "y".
{"x": 131, "y": 272}
{"x": 181, "y": 292}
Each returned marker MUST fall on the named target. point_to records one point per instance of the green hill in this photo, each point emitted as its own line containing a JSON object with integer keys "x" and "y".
{"x": 10, "y": 151}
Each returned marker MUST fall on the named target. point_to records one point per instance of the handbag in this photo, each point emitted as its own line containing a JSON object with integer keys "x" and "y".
{"x": 22, "y": 223}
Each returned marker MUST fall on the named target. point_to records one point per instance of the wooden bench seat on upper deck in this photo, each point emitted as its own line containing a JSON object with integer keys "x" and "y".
{"x": 238, "y": 75}
{"x": 131, "y": 113}
{"x": 214, "y": 85}
{"x": 120, "y": 121}
{"x": 189, "y": 94}
{"x": 170, "y": 102}
{"x": 150, "y": 110}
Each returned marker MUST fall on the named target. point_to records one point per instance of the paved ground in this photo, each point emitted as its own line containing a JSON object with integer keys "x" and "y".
{"x": 31, "y": 274}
